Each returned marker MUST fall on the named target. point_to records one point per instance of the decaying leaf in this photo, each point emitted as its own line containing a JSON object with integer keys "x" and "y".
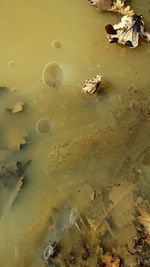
{"x": 117, "y": 6}
{"x": 110, "y": 260}
{"x": 18, "y": 107}
{"x": 128, "y": 32}
{"x": 104, "y": 5}
{"x": 144, "y": 219}
{"x": 15, "y": 138}
{"x": 92, "y": 85}
{"x": 16, "y": 170}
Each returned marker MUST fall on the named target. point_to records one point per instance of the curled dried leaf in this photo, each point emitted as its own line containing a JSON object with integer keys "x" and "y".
{"x": 128, "y": 32}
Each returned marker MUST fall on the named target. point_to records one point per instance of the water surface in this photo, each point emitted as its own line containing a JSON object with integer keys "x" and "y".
{"x": 98, "y": 142}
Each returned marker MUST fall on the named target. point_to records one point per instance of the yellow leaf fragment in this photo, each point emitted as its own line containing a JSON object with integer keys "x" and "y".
{"x": 18, "y": 107}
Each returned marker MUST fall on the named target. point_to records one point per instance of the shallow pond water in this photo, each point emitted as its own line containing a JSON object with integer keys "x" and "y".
{"x": 91, "y": 154}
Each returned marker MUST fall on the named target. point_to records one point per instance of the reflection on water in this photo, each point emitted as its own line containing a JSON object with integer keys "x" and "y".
{"x": 89, "y": 155}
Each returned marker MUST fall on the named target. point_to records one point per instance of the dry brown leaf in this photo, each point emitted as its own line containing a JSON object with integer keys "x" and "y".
{"x": 120, "y": 8}
{"x": 117, "y": 6}
{"x": 15, "y": 138}
{"x": 110, "y": 260}
{"x": 144, "y": 219}
{"x": 18, "y": 107}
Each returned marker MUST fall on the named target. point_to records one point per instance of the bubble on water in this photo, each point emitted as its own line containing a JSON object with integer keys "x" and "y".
{"x": 52, "y": 74}
{"x": 56, "y": 44}
{"x": 43, "y": 126}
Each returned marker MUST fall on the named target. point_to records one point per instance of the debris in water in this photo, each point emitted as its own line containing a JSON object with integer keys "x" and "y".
{"x": 85, "y": 250}
{"x": 71, "y": 257}
{"x": 128, "y": 32}
{"x": 144, "y": 219}
{"x": 16, "y": 138}
{"x": 51, "y": 251}
{"x": 104, "y": 5}
{"x": 117, "y": 6}
{"x": 8, "y": 174}
{"x": 141, "y": 248}
{"x": 92, "y": 85}
{"x": 18, "y": 107}
{"x": 140, "y": 108}
{"x": 93, "y": 195}
{"x": 110, "y": 260}
{"x": 21, "y": 167}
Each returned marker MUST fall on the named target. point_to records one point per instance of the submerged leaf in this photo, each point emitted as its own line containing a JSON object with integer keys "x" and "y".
{"x": 122, "y": 207}
{"x": 15, "y": 138}
{"x": 110, "y": 260}
{"x": 18, "y": 107}
{"x": 144, "y": 219}
{"x": 3, "y": 89}
{"x": 102, "y": 4}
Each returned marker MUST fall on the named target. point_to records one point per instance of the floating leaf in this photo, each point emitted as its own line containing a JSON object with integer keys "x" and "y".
{"x": 92, "y": 85}
{"x": 18, "y": 107}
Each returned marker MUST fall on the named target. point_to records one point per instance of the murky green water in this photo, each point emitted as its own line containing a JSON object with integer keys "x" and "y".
{"x": 95, "y": 144}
